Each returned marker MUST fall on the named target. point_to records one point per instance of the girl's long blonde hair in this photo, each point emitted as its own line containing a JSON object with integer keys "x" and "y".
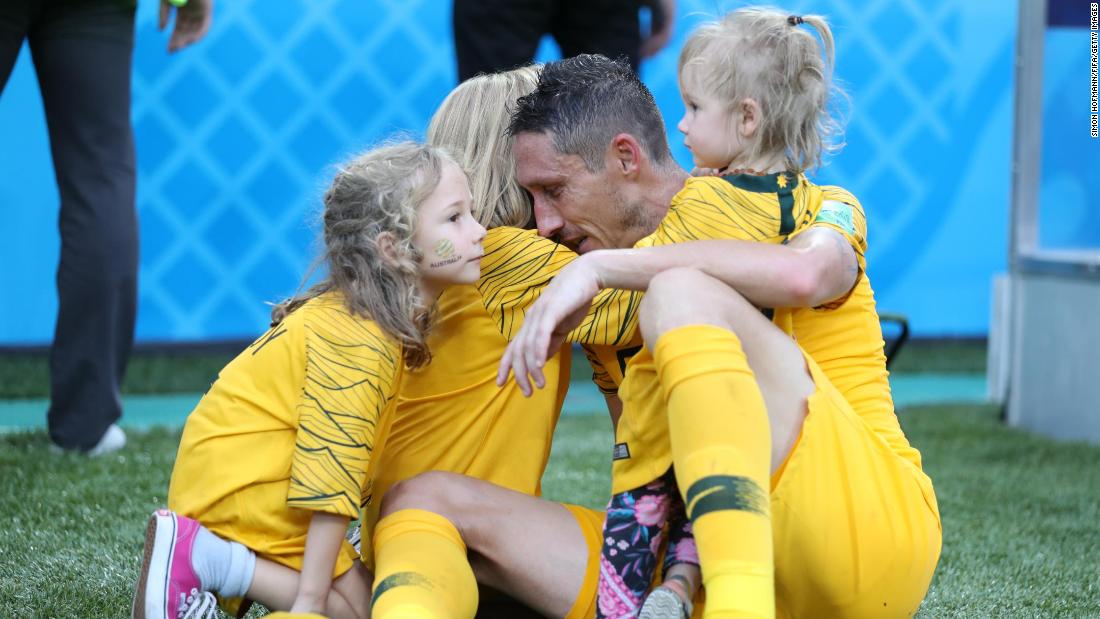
{"x": 370, "y": 213}
{"x": 764, "y": 54}
{"x": 472, "y": 123}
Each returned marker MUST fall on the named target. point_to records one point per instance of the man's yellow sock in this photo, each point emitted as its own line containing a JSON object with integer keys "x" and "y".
{"x": 421, "y": 569}
{"x": 721, "y": 450}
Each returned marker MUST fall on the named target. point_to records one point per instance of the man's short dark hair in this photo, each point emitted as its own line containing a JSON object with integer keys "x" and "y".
{"x": 584, "y": 101}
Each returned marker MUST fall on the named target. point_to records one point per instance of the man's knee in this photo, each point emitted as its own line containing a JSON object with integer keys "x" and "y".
{"x": 448, "y": 494}
{"x": 681, "y": 297}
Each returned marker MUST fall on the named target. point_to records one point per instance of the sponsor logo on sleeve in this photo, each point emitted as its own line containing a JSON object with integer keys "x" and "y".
{"x": 837, "y": 214}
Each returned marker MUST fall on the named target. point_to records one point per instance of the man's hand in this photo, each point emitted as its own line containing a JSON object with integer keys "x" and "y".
{"x": 560, "y": 308}
{"x": 192, "y": 21}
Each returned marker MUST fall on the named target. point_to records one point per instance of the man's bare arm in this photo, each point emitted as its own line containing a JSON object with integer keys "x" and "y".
{"x": 816, "y": 267}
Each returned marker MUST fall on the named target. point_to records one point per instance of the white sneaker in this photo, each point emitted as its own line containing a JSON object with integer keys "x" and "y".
{"x": 112, "y": 440}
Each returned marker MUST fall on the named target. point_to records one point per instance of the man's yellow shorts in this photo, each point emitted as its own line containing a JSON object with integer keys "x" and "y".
{"x": 856, "y": 528}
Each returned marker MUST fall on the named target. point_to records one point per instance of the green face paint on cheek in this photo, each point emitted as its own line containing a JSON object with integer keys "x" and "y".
{"x": 445, "y": 249}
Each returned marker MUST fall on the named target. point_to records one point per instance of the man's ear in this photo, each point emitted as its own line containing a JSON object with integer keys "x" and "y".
{"x": 626, "y": 154}
{"x": 747, "y": 116}
{"x": 387, "y": 247}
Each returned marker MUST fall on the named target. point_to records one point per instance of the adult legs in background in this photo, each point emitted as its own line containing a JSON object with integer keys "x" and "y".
{"x": 607, "y": 27}
{"x": 15, "y": 19}
{"x": 82, "y": 54}
{"x": 495, "y": 35}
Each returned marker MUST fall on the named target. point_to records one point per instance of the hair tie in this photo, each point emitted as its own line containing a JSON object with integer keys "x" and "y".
{"x": 794, "y": 20}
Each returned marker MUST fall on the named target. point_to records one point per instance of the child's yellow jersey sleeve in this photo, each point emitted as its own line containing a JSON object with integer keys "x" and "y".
{"x": 519, "y": 264}
{"x": 350, "y": 378}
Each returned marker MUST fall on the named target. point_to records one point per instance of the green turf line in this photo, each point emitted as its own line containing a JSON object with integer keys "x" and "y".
{"x": 170, "y": 410}
{"x": 139, "y": 411}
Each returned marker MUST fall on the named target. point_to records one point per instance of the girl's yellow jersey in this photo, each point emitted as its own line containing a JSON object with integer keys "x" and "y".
{"x": 288, "y": 428}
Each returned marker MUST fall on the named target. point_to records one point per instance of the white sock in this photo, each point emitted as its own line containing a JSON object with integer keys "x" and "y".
{"x": 223, "y": 567}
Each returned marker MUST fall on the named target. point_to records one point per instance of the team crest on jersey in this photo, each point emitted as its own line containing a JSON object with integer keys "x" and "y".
{"x": 620, "y": 452}
{"x": 837, "y": 214}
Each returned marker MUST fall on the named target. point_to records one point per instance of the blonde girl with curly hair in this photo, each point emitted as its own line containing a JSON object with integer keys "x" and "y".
{"x": 273, "y": 462}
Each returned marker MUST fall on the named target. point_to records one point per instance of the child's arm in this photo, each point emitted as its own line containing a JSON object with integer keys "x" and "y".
{"x": 323, "y": 541}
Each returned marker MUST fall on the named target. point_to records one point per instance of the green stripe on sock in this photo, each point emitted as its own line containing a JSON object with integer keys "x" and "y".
{"x": 399, "y": 579}
{"x": 725, "y": 492}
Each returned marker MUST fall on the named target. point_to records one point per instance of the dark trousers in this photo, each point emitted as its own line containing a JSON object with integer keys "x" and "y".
{"x": 496, "y": 35}
{"x": 82, "y": 53}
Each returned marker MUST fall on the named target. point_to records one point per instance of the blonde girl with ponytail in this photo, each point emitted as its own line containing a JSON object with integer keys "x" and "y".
{"x": 756, "y": 87}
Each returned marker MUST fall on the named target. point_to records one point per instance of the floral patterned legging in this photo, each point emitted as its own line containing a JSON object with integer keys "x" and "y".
{"x": 632, "y": 534}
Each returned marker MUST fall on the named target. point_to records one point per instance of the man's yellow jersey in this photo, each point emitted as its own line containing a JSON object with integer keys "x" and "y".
{"x": 855, "y": 523}
{"x": 766, "y": 209}
{"x": 844, "y": 336}
{"x": 288, "y": 428}
{"x": 770, "y": 209}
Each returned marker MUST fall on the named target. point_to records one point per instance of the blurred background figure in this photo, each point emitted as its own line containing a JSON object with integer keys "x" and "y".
{"x": 82, "y": 52}
{"x": 496, "y": 35}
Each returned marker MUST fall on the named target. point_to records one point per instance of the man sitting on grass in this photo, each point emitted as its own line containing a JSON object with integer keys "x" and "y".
{"x": 591, "y": 151}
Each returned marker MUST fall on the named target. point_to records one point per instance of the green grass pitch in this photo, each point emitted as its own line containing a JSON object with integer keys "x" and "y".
{"x": 1020, "y": 516}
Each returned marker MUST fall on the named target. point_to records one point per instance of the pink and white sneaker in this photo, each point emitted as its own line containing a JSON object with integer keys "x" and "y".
{"x": 168, "y": 587}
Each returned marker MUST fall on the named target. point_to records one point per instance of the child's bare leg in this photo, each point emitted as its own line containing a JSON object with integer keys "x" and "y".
{"x": 275, "y": 586}
{"x": 354, "y": 586}
{"x": 684, "y": 579}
